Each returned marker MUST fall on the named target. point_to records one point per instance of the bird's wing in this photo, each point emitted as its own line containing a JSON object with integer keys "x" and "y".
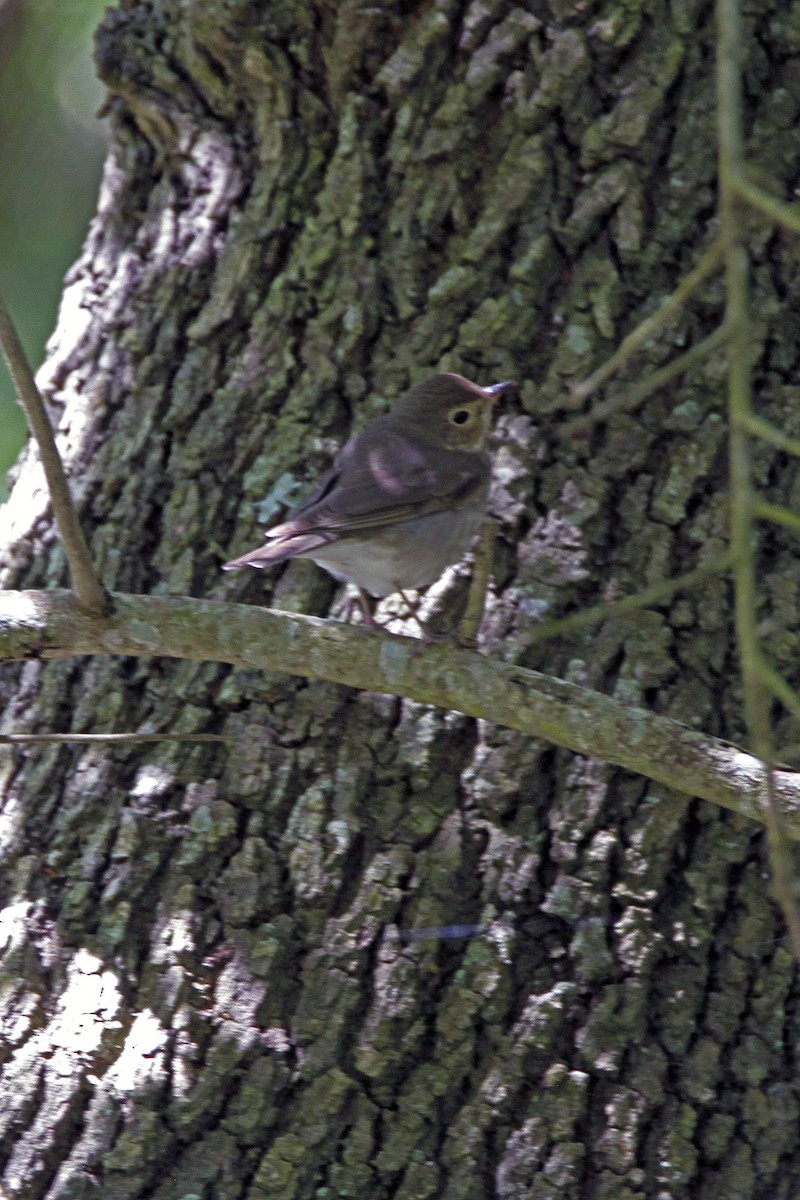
{"x": 384, "y": 476}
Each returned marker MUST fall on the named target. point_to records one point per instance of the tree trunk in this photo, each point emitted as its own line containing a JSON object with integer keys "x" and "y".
{"x": 379, "y": 950}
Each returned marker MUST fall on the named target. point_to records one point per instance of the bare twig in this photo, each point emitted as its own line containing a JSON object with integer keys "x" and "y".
{"x": 777, "y": 514}
{"x": 708, "y": 263}
{"x": 632, "y": 397}
{"x": 656, "y": 594}
{"x": 743, "y": 501}
{"x": 787, "y": 215}
{"x": 775, "y": 683}
{"x": 768, "y": 433}
{"x": 88, "y": 590}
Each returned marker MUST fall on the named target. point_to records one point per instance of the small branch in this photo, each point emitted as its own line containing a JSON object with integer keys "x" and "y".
{"x": 708, "y": 263}
{"x": 91, "y": 595}
{"x": 632, "y": 397}
{"x": 777, "y": 514}
{"x": 652, "y": 595}
{"x": 49, "y": 624}
{"x": 787, "y": 215}
{"x": 780, "y": 689}
{"x": 743, "y": 501}
{"x": 760, "y": 428}
{"x": 739, "y": 400}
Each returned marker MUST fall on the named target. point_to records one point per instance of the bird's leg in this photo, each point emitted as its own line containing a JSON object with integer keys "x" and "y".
{"x": 359, "y": 603}
{"x": 367, "y": 605}
{"x": 413, "y": 606}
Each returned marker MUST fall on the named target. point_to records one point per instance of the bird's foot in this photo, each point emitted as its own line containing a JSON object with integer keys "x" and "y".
{"x": 364, "y": 605}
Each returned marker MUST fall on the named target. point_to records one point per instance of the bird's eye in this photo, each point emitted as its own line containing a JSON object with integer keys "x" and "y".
{"x": 460, "y": 416}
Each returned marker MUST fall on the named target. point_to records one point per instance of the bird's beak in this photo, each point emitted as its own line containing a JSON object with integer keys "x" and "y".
{"x": 498, "y": 389}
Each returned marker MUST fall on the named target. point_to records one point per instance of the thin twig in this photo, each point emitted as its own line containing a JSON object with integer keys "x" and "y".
{"x": 780, "y": 689}
{"x": 768, "y": 433}
{"x": 777, "y": 514}
{"x": 743, "y": 500}
{"x": 643, "y": 599}
{"x": 633, "y": 397}
{"x": 787, "y": 215}
{"x": 708, "y": 263}
{"x": 88, "y": 590}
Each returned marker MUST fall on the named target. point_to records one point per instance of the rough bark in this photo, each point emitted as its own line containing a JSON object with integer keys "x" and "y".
{"x": 208, "y": 984}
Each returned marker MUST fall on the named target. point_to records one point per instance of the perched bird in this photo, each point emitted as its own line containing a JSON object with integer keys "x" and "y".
{"x": 404, "y": 497}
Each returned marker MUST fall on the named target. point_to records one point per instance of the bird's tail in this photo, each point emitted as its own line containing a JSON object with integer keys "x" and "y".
{"x": 278, "y": 551}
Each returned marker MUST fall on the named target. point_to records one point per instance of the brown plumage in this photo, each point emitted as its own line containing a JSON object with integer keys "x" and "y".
{"x": 404, "y": 497}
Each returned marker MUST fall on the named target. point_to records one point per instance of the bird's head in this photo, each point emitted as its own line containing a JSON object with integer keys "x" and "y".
{"x": 451, "y": 411}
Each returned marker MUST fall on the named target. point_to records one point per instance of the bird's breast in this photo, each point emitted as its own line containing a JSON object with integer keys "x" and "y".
{"x": 410, "y": 554}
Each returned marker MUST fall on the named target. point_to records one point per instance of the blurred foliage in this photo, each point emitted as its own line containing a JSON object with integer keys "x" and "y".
{"x": 51, "y": 148}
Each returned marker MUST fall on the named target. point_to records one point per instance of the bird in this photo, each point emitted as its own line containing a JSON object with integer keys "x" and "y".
{"x": 404, "y": 497}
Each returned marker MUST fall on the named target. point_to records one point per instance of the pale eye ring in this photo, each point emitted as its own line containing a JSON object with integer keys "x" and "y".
{"x": 461, "y": 416}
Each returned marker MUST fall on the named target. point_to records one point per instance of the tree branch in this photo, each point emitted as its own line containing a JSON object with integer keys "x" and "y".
{"x": 50, "y": 624}
{"x": 85, "y": 583}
